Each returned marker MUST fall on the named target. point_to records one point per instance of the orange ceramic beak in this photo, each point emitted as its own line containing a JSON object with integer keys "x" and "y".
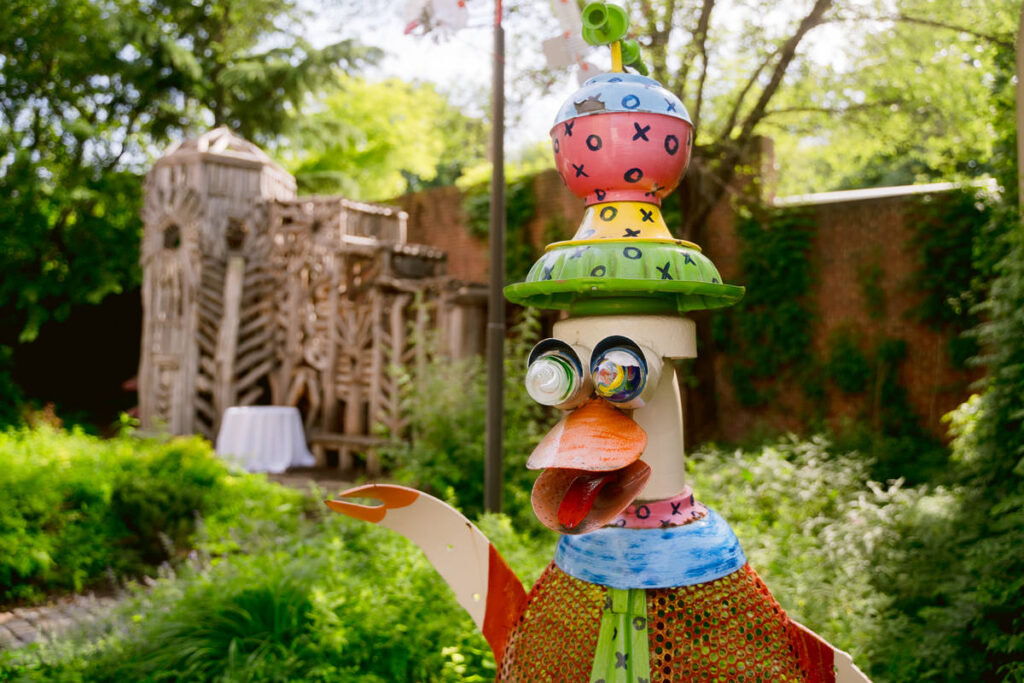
{"x": 596, "y": 436}
{"x": 592, "y": 468}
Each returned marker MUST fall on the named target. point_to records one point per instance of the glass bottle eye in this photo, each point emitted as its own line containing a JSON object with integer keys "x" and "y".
{"x": 619, "y": 373}
{"x": 552, "y": 379}
{"x": 555, "y": 375}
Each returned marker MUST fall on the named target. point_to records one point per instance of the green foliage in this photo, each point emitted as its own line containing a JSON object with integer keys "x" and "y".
{"x": 445, "y": 405}
{"x": 847, "y": 366}
{"x": 912, "y": 101}
{"x": 10, "y": 393}
{"x": 520, "y": 207}
{"x": 374, "y": 141}
{"x": 76, "y": 507}
{"x": 812, "y": 528}
{"x": 88, "y": 87}
{"x": 768, "y": 333}
{"x": 314, "y": 597}
{"x": 869, "y": 278}
{"x": 954, "y": 237}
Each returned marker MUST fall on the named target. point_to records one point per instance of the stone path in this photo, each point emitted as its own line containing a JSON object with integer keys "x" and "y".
{"x": 24, "y": 625}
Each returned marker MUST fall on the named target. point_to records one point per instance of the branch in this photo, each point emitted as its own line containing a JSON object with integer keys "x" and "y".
{"x": 1001, "y": 41}
{"x": 702, "y": 38}
{"x": 832, "y": 110}
{"x": 738, "y": 104}
{"x": 732, "y": 149}
{"x": 697, "y": 45}
{"x": 786, "y": 55}
{"x": 658, "y": 38}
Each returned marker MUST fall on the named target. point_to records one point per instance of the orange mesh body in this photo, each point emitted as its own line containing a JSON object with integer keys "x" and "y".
{"x": 730, "y": 630}
{"x": 555, "y": 639}
{"x": 724, "y": 631}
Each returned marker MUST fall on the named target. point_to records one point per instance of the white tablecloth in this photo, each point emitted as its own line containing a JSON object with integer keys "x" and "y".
{"x": 264, "y": 438}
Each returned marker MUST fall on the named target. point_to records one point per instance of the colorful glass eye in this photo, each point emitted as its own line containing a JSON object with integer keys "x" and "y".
{"x": 619, "y": 374}
{"x": 552, "y": 379}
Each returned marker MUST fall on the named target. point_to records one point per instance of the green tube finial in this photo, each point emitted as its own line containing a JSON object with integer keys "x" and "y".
{"x": 605, "y": 23}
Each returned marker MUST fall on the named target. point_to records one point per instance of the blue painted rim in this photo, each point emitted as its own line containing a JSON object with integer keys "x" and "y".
{"x": 622, "y": 92}
{"x": 686, "y": 555}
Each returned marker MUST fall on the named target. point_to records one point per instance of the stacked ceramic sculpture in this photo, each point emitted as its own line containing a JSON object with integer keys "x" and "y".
{"x": 647, "y": 583}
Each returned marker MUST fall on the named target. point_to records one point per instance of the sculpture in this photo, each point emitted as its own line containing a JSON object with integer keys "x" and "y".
{"x": 647, "y": 584}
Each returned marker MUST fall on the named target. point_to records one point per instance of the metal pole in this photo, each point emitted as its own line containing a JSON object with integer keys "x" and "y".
{"x": 496, "y": 299}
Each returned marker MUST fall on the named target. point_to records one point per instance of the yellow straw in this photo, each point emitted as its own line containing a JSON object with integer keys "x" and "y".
{"x": 617, "y": 56}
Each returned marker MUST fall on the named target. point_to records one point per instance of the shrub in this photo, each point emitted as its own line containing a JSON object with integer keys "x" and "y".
{"x": 813, "y": 527}
{"x": 315, "y": 599}
{"x": 77, "y": 507}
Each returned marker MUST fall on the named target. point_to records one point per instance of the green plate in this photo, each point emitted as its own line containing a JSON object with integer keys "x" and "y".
{"x": 624, "y": 276}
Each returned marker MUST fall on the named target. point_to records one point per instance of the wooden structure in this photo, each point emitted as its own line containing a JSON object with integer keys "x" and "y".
{"x": 252, "y": 295}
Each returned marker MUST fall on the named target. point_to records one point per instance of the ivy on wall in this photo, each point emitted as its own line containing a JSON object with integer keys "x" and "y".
{"x": 767, "y": 335}
{"x": 955, "y": 240}
{"x": 520, "y": 207}
{"x": 767, "y": 338}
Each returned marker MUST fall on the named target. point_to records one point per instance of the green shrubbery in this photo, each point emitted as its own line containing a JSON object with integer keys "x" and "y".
{"x": 445, "y": 455}
{"x": 314, "y": 597}
{"x": 76, "y": 508}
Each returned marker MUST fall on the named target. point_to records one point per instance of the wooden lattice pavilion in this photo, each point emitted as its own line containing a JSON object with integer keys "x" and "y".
{"x": 253, "y": 295}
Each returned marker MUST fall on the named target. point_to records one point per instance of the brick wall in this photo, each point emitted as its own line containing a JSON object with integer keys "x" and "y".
{"x": 850, "y": 236}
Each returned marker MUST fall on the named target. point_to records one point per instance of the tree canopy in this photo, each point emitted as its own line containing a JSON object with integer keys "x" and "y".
{"x": 88, "y": 88}
{"x": 855, "y": 93}
{"x": 376, "y": 140}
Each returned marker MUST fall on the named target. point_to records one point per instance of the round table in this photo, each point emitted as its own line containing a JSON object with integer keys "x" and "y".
{"x": 264, "y": 438}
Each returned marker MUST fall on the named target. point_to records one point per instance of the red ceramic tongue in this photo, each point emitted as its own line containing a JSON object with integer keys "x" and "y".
{"x": 580, "y": 497}
{"x": 580, "y": 501}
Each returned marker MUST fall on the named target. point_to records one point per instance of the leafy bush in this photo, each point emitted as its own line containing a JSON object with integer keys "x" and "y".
{"x": 316, "y": 598}
{"x": 812, "y": 528}
{"x": 76, "y": 507}
{"x": 446, "y": 453}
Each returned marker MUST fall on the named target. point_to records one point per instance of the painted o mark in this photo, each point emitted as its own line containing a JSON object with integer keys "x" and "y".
{"x": 600, "y": 194}
{"x": 641, "y": 132}
{"x": 639, "y": 623}
{"x": 608, "y": 213}
{"x": 554, "y": 144}
{"x": 671, "y": 144}
{"x": 630, "y": 101}
{"x": 593, "y": 143}
{"x": 598, "y": 271}
{"x": 633, "y": 175}
{"x": 643, "y": 512}
{"x": 634, "y": 253}
{"x": 616, "y": 79}
{"x": 567, "y": 128}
